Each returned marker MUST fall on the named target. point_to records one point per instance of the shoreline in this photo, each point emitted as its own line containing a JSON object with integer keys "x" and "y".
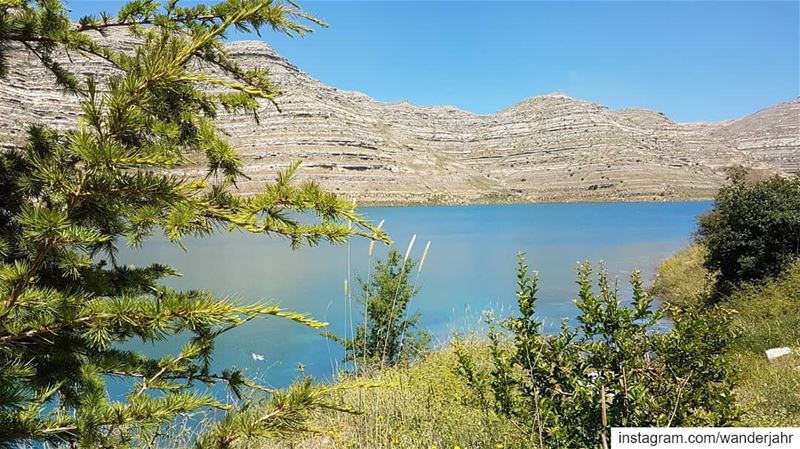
{"x": 388, "y": 204}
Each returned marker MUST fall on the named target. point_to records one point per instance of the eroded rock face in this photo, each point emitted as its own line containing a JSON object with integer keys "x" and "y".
{"x": 771, "y": 136}
{"x": 549, "y": 148}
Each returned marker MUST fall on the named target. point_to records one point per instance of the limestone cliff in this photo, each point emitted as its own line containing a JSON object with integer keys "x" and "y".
{"x": 549, "y": 148}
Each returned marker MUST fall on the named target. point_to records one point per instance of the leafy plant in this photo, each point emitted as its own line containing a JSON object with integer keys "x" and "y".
{"x": 614, "y": 369}
{"x": 388, "y": 336}
{"x": 70, "y": 197}
{"x": 766, "y": 317}
{"x": 753, "y": 231}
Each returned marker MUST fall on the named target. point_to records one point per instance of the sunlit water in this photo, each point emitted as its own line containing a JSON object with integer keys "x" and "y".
{"x": 470, "y": 268}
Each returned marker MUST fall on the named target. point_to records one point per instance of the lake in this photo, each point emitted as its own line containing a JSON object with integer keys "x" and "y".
{"x": 470, "y": 268}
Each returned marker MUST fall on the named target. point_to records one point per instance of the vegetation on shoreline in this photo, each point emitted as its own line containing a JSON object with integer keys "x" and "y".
{"x": 682, "y": 279}
{"x": 387, "y": 335}
{"x": 615, "y": 368}
{"x": 433, "y": 402}
{"x": 422, "y": 405}
{"x": 765, "y": 316}
{"x": 753, "y": 231}
{"x": 768, "y": 316}
{"x": 518, "y": 387}
{"x": 746, "y": 260}
{"x": 66, "y": 305}
{"x": 752, "y": 317}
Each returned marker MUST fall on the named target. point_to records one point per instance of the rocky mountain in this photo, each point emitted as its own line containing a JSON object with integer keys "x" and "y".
{"x": 548, "y": 148}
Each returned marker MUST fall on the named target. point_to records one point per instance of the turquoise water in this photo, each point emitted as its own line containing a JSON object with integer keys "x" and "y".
{"x": 470, "y": 268}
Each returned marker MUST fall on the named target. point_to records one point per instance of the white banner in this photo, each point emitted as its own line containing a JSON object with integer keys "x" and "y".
{"x": 705, "y": 437}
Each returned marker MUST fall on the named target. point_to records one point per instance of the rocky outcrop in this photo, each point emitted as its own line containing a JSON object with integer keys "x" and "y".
{"x": 549, "y": 148}
{"x": 770, "y": 136}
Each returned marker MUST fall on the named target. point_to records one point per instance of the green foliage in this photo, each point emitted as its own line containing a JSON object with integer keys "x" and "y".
{"x": 388, "y": 336}
{"x": 416, "y": 406}
{"x": 768, "y": 317}
{"x": 282, "y": 416}
{"x": 753, "y": 240}
{"x": 69, "y": 197}
{"x": 769, "y": 312}
{"x": 753, "y": 231}
{"x": 682, "y": 280}
{"x": 614, "y": 369}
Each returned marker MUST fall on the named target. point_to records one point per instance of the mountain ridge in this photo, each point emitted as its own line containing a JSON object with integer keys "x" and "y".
{"x": 543, "y": 148}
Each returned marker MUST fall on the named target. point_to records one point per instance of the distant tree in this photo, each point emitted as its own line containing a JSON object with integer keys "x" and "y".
{"x": 389, "y": 336}
{"x": 753, "y": 230}
{"x": 70, "y": 197}
{"x": 615, "y": 369}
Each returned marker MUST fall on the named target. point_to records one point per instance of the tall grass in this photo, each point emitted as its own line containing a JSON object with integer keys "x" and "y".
{"x": 369, "y": 279}
{"x": 767, "y": 316}
{"x": 422, "y": 406}
{"x": 416, "y": 282}
{"x": 682, "y": 279}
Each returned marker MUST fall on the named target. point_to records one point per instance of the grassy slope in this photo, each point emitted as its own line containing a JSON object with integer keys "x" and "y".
{"x": 768, "y": 316}
{"x": 682, "y": 278}
{"x": 426, "y": 405}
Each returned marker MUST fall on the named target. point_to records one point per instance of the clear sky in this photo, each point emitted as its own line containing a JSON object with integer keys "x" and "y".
{"x": 694, "y": 61}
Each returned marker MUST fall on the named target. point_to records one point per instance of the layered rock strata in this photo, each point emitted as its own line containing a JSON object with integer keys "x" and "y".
{"x": 548, "y": 148}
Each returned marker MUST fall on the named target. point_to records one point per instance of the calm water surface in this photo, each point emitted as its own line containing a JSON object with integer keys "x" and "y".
{"x": 470, "y": 268}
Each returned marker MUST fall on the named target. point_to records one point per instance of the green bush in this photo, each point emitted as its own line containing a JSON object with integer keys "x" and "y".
{"x": 753, "y": 231}
{"x": 614, "y": 369}
{"x": 388, "y": 336}
{"x": 766, "y": 316}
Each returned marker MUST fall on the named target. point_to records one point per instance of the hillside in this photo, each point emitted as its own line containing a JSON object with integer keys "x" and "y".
{"x": 548, "y": 148}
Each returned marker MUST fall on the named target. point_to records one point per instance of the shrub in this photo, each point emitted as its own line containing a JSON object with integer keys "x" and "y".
{"x": 767, "y": 316}
{"x": 389, "y": 335}
{"x": 753, "y": 231}
{"x": 614, "y": 369}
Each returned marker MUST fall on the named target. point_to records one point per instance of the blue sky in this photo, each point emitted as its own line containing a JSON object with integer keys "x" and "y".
{"x": 694, "y": 61}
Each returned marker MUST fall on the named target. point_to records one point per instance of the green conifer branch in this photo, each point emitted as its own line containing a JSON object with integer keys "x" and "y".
{"x": 73, "y": 196}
